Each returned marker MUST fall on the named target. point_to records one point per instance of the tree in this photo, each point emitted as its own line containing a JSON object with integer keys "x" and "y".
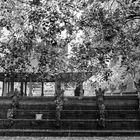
{"x": 110, "y": 29}
{"x": 35, "y": 31}
{"x": 40, "y": 30}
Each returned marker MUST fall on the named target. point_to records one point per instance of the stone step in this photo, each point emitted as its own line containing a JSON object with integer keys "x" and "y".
{"x": 81, "y": 106}
{"x": 73, "y": 103}
{"x": 77, "y": 114}
{"x": 73, "y": 114}
{"x": 122, "y": 114}
{"x": 81, "y": 124}
{"x": 65, "y": 114}
{"x": 37, "y": 106}
{"x": 67, "y": 133}
{"x": 52, "y": 106}
{"x": 5, "y": 106}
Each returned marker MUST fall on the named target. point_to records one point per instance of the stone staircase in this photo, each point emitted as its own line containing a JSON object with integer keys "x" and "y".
{"x": 79, "y": 117}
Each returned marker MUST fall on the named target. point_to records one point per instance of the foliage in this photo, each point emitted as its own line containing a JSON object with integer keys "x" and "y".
{"x": 98, "y": 33}
{"x": 110, "y": 32}
{"x": 40, "y": 30}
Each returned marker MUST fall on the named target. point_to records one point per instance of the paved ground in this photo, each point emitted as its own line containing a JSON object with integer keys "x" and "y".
{"x": 69, "y": 138}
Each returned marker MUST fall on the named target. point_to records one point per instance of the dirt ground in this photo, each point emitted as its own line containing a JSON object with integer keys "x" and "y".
{"x": 69, "y": 138}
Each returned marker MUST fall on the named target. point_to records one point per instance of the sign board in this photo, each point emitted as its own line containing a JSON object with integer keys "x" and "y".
{"x": 38, "y": 116}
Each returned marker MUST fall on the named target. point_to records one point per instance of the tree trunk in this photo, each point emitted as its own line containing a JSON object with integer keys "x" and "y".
{"x": 21, "y": 88}
{"x": 25, "y": 88}
{"x": 30, "y": 87}
{"x": 5, "y": 88}
{"x": 57, "y": 87}
{"x": 42, "y": 93}
{"x": 12, "y": 84}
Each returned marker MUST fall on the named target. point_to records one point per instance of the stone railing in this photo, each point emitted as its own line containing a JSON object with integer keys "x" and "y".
{"x": 59, "y": 100}
{"x": 101, "y": 107}
{"x": 11, "y": 114}
{"x": 137, "y": 85}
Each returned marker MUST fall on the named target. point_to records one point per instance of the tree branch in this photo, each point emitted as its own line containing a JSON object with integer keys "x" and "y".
{"x": 131, "y": 17}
